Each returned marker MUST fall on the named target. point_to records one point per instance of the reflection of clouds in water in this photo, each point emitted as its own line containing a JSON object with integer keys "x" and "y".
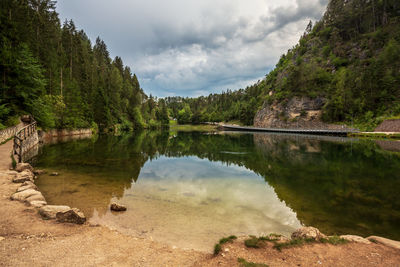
{"x": 224, "y": 190}
{"x": 192, "y": 168}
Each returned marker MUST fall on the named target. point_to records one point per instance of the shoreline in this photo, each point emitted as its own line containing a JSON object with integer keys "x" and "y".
{"x": 25, "y": 239}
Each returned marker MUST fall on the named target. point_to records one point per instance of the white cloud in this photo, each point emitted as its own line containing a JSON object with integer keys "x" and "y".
{"x": 186, "y": 47}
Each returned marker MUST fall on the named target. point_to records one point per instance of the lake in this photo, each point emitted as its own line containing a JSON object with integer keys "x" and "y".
{"x": 189, "y": 189}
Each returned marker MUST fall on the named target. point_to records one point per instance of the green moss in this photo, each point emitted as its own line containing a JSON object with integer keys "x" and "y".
{"x": 227, "y": 239}
{"x": 252, "y": 242}
{"x": 217, "y": 249}
{"x": 13, "y": 161}
{"x": 293, "y": 243}
{"x": 243, "y": 263}
{"x": 334, "y": 240}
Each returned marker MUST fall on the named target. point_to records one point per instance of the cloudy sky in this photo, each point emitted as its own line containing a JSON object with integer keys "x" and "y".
{"x": 195, "y": 47}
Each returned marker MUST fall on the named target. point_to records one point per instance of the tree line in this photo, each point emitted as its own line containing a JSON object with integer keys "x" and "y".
{"x": 54, "y": 72}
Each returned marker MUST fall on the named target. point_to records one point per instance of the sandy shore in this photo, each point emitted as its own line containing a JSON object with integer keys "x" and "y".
{"x": 27, "y": 240}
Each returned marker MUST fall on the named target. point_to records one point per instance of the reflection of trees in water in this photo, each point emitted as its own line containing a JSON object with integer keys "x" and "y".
{"x": 338, "y": 186}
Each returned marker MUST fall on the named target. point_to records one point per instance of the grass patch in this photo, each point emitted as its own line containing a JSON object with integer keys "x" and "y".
{"x": 375, "y": 135}
{"x": 293, "y": 243}
{"x": 5, "y": 141}
{"x": 13, "y": 161}
{"x": 334, "y": 240}
{"x": 227, "y": 239}
{"x": 243, "y": 263}
{"x": 256, "y": 242}
{"x": 193, "y": 128}
{"x": 252, "y": 242}
{"x": 218, "y": 247}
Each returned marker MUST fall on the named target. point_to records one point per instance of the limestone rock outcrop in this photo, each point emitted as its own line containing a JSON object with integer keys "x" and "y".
{"x": 297, "y": 112}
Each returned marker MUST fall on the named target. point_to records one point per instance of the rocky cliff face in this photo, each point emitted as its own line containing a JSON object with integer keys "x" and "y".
{"x": 297, "y": 112}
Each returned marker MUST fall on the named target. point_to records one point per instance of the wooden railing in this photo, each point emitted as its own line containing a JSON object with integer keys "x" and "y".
{"x": 21, "y": 136}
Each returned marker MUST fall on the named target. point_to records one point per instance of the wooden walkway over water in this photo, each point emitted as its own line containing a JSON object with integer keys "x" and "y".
{"x": 343, "y": 132}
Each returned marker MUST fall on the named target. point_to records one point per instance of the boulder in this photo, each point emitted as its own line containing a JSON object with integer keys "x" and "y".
{"x": 26, "y": 187}
{"x": 27, "y": 183}
{"x": 73, "y": 215}
{"x": 37, "y": 203}
{"x": 24, "y": 176}
{"x": 13, "y": 174}
{"x": 23, "y": 195}
{"x": 308, "y": 233}
{"x": 50, "y": 211}
{"x": 36, "y": 197}
{"x": 117, "y": 207}
{"x": 385, "y": 241}
{"x": 356, "y": 239}
{"x": 23, "y": 166}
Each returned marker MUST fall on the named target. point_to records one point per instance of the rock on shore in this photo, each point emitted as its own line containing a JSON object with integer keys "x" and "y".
{"x": 117, "y": 207}
{"x": 73, "y": 215}
{"x": 50, "y": 211}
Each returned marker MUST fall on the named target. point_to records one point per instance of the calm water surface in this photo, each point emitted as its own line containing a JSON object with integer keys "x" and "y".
{"x": 190, "y": 189}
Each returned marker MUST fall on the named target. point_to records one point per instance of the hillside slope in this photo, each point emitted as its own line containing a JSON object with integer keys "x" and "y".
{"x": 345, "y": 68}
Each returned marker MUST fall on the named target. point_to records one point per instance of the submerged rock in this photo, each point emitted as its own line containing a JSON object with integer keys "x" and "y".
{"x": 308, "y": 233}
{"x": 23, "y": 166}
{"x": 39, "y": 172}
{"x": 73, "y": 215}
{"x": 117, "y": 207}
{"x": 50, "y": 211}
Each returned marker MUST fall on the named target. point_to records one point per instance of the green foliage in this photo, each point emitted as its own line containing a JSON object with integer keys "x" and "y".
{"x": 350, "y": 58}
{"x": 293, "y": 243}
{"x": 218, "y": 246}
{"x": 43, "y": 61}
{"x": 227, "y": 239}
{"x": 334, "y": 240}
{"x": 217, "y": 249}
{"x": 253, "y": 242}
{"x": 13, "y": 161}
{"x": 243, "y": 263}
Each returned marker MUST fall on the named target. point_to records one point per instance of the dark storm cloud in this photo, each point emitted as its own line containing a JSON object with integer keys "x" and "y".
{"x": 182, "y": 47}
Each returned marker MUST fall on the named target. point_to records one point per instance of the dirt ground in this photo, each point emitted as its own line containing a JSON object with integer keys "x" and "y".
{"x": 27, "y": 240}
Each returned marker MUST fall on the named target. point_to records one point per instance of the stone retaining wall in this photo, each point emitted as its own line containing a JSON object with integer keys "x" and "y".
{"x": 10, "y": 132}
{"x": 56, "y": 136}
{"x": 389, "y": 126}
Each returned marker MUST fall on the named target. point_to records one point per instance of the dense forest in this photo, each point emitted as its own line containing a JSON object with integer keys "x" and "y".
{"x": 52, "y": 71}
{"x": 351, "y": 58}
{"x": 49, "y": 69}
